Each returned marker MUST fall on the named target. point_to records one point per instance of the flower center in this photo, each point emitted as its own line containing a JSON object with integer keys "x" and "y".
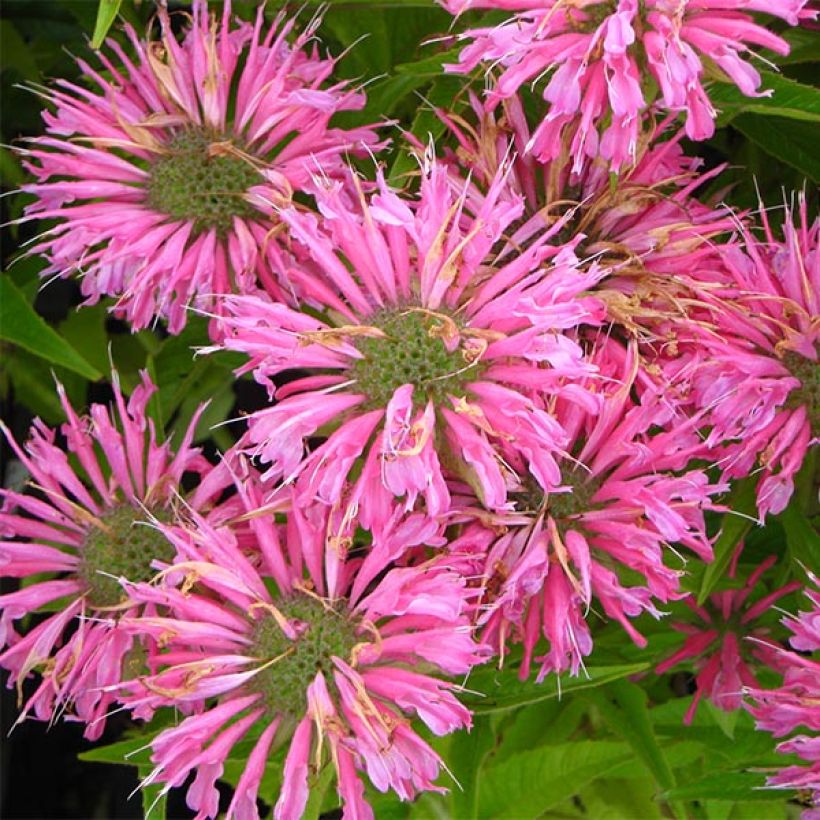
{"x": 412, "y": 352}
{"x": 560, "y": 505}
{"x": 808, "y": 394}
{"x": 122, "y": 547}
{"x": 202, "y": 180}
{"x": 324, "y": 633}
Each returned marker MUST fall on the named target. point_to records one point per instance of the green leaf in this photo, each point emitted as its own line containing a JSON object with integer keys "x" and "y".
{"x": 106, "y": 14}
{"x": 132, "y": 752}
{"x": 21, "y": 325}
{"x": 623, "y": 707}
{"x": 444, "y": 92}
{"x": 734, "y": 786}
{"x": 801, "y": 536}
{"x": 792, "y": 142}
{"x": 789, "y": 99}
{"x": 735, "y": 526}
{"x": 498, "y": 690}
{"x": 529, "y": 784}
{"x": 804, "y": 45}
{"x": 467, "y": 753}
{"x": 154, "y": 806}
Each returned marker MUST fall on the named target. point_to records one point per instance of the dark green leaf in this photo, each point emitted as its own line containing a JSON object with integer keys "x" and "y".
{"x": 745, "y": 786}
{"x": 792, "y": 142}
{"x": 789, "y": 99}
{"x": 20, "y": 325}
{"x": 804, "y": 46}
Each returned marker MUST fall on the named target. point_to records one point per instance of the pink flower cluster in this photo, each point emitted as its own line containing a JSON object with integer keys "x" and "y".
{"x": 606, "y": 64}
{"x": 794, "y": 706}
{"x": 501, "y": 405}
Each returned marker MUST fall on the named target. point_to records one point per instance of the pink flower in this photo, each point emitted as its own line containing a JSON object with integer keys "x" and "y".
{"x": 755, "y": 366}
{"x": 796, "y": 704}
{"x": 426, "y": 356}
{"x": 163, "y": 172}
{"x": 297, "y": 635}
{"x": 649, "y": 231}
{"x": 602, "y": 61}
{"x": 716, "y": 647}
{"x": 626, "y": 492}
{"x": 85, "y": 529}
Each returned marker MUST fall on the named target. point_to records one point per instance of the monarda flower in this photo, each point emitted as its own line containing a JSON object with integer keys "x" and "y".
{"x": 295, "y": 641}
{"x": 795, "y": 706}
{"x": 649, "y": 230}
{"x": 92, "y": 522}
{"x": 427, "y": 356}
{"x": 606, "y": 64}
{"x": 756, "y": 369}
{"x": 611, "y": 532}
{"x": 161, "y": 173}
{"x": 723, "y": 660}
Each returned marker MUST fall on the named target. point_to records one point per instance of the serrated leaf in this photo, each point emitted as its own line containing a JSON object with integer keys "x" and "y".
{"x": 789, "y": 99}
{"x": 734, "y": 786}
{"x": 790, "y": 141}
{"x": 736, "y": 524}
{"x": 529, "y": 784}
{"x": 501, "y": 689}
{"x": 20, "y": 325}
{"x": 107, "y": 11}
{"x": 623, "y": 707}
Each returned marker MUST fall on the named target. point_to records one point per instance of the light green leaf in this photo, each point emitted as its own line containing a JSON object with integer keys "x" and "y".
{"x": 501, "y": 689}
{"x": 735, "y": 526}
{"x": 623, "y": 706}
{"x": 154, "y": 806}
{"x": 467, "y": 753}
{"x": 529, "y": 784}
{"x": 106, "y": 14}
{"x": 20, "y": 325}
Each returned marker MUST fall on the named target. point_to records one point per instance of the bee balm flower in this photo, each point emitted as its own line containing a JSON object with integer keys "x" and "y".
{"x": 626, "y": 493}
{"x": 716, "y": 647}
{"x": 607, "y": 63}
{"x": 427, "y": 355}
{"x": 160, "y": 175}
{"x": 295, "y": 642}
{"x": 91, "y": 526}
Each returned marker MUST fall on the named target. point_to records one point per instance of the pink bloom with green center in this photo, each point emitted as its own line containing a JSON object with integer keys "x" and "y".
{"x": 796, "y": 704}
{"x": 716, "y": 646}
{"x": 84, "y": 529}
{"x": 163, "y": 172}
{"x": 756, "y": 370}
{"x": 602, "y": 59}
{"x": 429, "y": 353}
{"x": 301, "y": 638}
{"x": 626, "y": 496}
